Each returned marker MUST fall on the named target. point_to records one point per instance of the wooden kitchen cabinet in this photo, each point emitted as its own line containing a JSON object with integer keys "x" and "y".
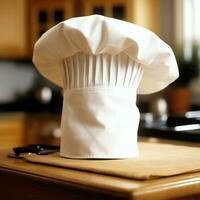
{"x": 141, "y": 12}
{"x": 47, "y": 13}
{"x": 12, "y": 130}
{"x": 22, "y": 22}
{"x": 120, "y": 9}
{"x": 19, "y": 129}
{"x": 13, "y": 23}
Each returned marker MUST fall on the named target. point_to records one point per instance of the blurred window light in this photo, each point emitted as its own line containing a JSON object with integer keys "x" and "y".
{"x": 191, "y": 26}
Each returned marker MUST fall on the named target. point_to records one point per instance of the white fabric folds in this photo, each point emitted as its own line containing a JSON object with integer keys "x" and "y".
{"x": 102, "y": 63}
{"x": 103, "y": 70}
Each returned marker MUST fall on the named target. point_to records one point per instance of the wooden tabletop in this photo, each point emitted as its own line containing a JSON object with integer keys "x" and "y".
{"x": 162, "y": 188}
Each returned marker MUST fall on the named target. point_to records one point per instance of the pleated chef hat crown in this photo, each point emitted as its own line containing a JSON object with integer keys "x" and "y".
{"x": 102, "y": 63}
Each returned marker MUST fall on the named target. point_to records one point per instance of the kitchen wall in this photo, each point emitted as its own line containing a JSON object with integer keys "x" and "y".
{"x": 16, "y": 78}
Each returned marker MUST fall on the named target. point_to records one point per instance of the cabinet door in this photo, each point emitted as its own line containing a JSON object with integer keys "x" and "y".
{"x": 120, "y": 9}
{"x": 13, "y": 40}
{"x": 47, "y": 13}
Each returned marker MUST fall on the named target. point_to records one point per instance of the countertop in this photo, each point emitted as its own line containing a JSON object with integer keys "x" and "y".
{"x": 27, "y": 180}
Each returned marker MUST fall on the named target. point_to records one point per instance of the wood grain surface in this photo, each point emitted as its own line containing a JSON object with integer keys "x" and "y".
{"x": 35, "y": 180}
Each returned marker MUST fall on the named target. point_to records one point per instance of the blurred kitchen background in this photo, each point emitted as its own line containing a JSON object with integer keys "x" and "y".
{"x": 30, "y": 106}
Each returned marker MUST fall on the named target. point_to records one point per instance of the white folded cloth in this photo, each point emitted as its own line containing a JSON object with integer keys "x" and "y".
{"x": 102, "y": 63}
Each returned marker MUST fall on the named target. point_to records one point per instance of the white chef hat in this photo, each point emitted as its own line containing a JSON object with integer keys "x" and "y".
{"x": 102, "y": 63}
